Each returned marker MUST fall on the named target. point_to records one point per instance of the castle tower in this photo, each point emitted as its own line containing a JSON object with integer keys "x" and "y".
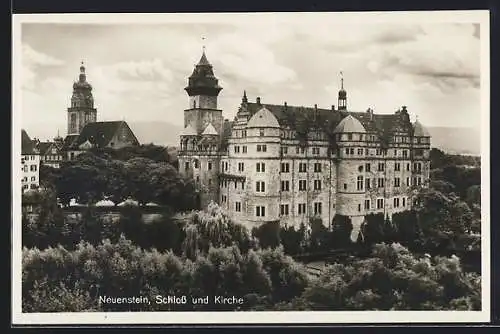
{"x": 342, "y": 101}
{"x": 420, "y": 154}
{"x": 203, "y": 90}
{"x": 200, "y": 140}
{"x": 82, "y": 109}
{"x": 350, "y": 136}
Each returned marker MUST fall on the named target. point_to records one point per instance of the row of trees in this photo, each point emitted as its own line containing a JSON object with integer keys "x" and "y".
{"x": 57, "y": 280}
{"x": 94, "y": 177}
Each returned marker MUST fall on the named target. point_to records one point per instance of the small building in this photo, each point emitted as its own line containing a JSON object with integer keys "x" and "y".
{"x": 30, "y": 163}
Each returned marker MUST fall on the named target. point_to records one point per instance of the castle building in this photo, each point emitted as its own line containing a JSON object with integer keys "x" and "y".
{"x": 284, "y": 163}
{"x": 84, "y": 131}
{"x": 30, "y": 163}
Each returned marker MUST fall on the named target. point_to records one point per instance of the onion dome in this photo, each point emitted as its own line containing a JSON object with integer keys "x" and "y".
{"x": 419, "y": 130}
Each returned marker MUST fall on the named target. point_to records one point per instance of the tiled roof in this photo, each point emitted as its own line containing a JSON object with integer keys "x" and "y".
{"x": 43, "y": 147}
{"x": 303, "y": 118}
{"x": 349, "y": 124}
{"x": 97, "y": 133}
{"x": 27, "y": 145}
{"x": 263, "y": 118}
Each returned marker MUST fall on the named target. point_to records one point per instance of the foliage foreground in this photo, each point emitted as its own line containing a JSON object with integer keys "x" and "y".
{"x": 58, "y": 280}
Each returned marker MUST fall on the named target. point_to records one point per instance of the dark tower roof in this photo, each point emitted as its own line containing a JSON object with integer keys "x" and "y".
{"x": 82, "y": 91}
{"x": 203, "y": 81}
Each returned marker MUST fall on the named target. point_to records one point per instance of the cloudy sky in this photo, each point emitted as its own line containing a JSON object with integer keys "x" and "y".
{"x": 138, "y": 71}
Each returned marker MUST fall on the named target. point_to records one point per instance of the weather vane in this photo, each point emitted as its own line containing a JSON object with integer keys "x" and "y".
{"x": 341, "y": 80}
{"x": 203, "y": 39}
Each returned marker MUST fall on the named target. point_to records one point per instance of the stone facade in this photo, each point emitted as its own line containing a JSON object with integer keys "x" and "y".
{"x": 288, "y": 164}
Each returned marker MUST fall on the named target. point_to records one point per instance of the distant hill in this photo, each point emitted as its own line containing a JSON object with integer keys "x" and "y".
{"x": 451, "y": 140}
{"x": 466, "y": 141}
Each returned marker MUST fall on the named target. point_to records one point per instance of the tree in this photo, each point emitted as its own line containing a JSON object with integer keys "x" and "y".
{"x": 341, "y": 231}
{"x": 292, "y": 239}
{"x": 267, "y": 234}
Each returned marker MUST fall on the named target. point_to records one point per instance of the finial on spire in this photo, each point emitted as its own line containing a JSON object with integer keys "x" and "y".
{"x": 203, "y": 46}
{"x": 341, "y": 80}
{"x": 82, "y": 67}
{"x": 244, "y": 98}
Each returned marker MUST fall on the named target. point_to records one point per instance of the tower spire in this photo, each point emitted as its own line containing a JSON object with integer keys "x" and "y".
{"x": 342, "y": 100}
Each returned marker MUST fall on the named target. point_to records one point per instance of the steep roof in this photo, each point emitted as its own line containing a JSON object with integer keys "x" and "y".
{"x": 263, "y": 118}
{"x": 299, "y": 118}
{"x": 44, "y": 147}
{"x": 419, "y": 130}
{"x": 210, "y": 130}
{"x": 349, "y": 124}
{"x": 97, "y": 133}
{"x": 188, "y": 131}
{"x": 69, "y": 141}
{"x": 27, "y": 145}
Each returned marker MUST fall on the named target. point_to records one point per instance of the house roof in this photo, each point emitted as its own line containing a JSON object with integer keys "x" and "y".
{"x": 349, "y": 124}
{"x": 27, "y": 145}
{"x": 210, "y": 130}
{"x": 300, "y": 118}
{"x": 263, "y": 118}
{"x": 419, "y": 130}
{"x": 98, "y": 134}
{"x": 44, "y": 147}
{"x": 68, "y": 142}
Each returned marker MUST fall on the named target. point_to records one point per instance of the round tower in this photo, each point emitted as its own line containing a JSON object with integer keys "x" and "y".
{"x": 351, "y": 141}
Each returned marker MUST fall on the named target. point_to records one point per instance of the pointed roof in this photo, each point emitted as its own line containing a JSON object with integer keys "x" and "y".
{"x": 263, "y": 119}
{"x": 188, "y": 131}
{"x": 98, "y": 134}
{"x": 210, "y": 131}
{"x": 27, "y": 145}
{"x": 349, "y": 124}
{"x": 419, "y": 130}
{"x": 203, "y": 60}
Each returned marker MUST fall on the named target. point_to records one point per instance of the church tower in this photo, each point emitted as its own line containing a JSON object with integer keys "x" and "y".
{"x": 82, "y": 109}
{"x": 200, "y": 140}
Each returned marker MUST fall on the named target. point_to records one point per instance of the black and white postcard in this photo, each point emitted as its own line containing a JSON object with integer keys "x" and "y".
{"x": 248, "y": 168}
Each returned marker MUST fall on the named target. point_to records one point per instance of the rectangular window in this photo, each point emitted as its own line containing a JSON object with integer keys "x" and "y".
{"x": 186, "y": 165}
{"x": 345, "y": 186}
{"x": 33, "y": 178}
{"x": 317, "y": 184}
{"x": 302, "y": 208}
{"x": 380, "y": 203}
{"x": 235, "y": 185}
{"x": 396, "y": 202}
{"x": 317, "y": 208}
{"x": 359, "y": 207}
{"x": 209, "y": 165}
{"x": 285, "y": 185}
{"x": 302, "y": 167}
{"x": 261, "y": 148}
{"x": 380, "y": 166}
{"x": 395, "y": 153}
{"x": 238, "y": 206}
{"x": 33, "y": 168}
{"x": 352, "y": 151}
{"x": 224, "y": 198}
{"x": 241, "y": 166}
{"x": 360, "y": 151}
{"x": 260, "y": 211}
{"x": 209, "y": 182}
{"x": 403, "y": 200}
{"x": 367, "y": 167}
{"x": 407, "y": 181}
{"x": 347, "y": 151}
{"x": 284, "y": 150}
{"x": 227, "y": 166}
{"x": 397, "y": 167}
{"x": 367, "y": 204}
{"x": 236, "y": 149}
{"x": 242, "y": 185}
{"x": 367, "y": 184}
{"x": 359, "y": 184}
{"x": 405, "y": 154}
{"x": 408, "y": 166}
{"x": 317, "y": 167}
{"x": 380, "y": 182}
{"x": 285, "y": 167}
{"x": 302, "y": 185}
{"x": 284, "y": 209}
{"x": 261, "y": 167}
{"x": 315, "y": 150}
{"x": 244, "y": 149}
{"x": 260, "y": 186}
{"x": 419, "y": 179}
{"x": 397, "y": 182}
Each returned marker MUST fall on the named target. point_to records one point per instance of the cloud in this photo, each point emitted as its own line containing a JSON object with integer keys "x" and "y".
{"x": 32, "y": 57}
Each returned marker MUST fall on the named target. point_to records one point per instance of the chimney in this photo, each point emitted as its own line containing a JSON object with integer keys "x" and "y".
{"x": 315, "y": 106}
{"x": 285, "y": 104}
{"x": 258, "y": 100}
{"x": 333, "y": 107}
